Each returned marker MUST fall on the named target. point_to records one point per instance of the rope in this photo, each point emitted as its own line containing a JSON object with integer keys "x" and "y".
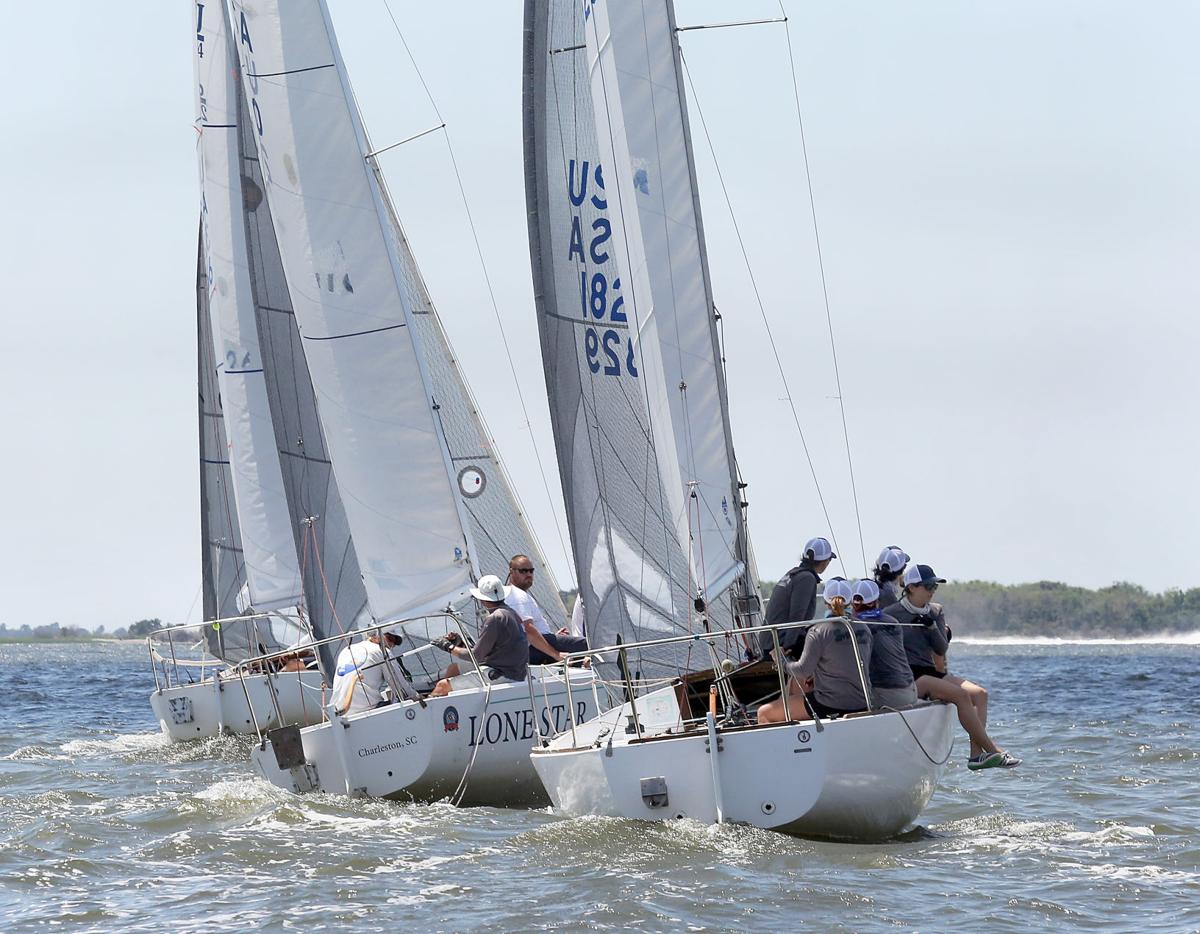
{"x": 762, "y": 309}
{"x": 491, "y": 295}
{"x": 461, "y": 791}
{"x": 916, "y": 739}
{"x": 812, "y": 203}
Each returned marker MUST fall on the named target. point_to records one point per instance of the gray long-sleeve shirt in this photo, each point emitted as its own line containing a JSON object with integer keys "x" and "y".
{"x": 828, "y": 658}
{"x": 793, "y": 599}
{"x": 502, "y": 643}
{"x": 889, "y": 593}
{"x": 889, "y": 660}
{"x": 922, "y": 642}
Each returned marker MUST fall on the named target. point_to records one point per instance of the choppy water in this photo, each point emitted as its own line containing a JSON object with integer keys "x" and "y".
{"x": 104, "y": 826}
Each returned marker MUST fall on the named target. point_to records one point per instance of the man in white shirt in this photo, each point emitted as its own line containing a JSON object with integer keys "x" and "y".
{"x": 545, "y": 645}
{"x": 364, "y": 669}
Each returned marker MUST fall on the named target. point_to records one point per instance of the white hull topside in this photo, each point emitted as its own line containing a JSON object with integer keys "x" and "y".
{"x": 415, "y": 751}
{"x": 223, "y": 703}
{"x": 858, "y": 778}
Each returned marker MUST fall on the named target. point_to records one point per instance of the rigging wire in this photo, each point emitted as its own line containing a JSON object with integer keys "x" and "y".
{"x": 491, "y": 292}
{"x": 812, "y": 203}
{"x": 761, "y": 308}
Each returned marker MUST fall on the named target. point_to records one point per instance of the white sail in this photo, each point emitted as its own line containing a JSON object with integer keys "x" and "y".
{"x": 339, "y": 255}
{"x": 641, "y": 128}
{"x": 268, "y": 540}
{"x": 222, "y": 572}
{"x": 634, "y": 576}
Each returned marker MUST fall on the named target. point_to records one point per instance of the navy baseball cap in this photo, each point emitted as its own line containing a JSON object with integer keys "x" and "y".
{"x": 921, "y": 574}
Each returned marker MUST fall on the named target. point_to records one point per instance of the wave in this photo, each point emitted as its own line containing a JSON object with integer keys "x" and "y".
{"x": 1163, "y": 638}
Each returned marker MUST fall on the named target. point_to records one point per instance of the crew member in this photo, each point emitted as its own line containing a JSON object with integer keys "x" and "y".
{"x": 365, "y": 669}
{"x": 501, "y": 650}
{"x": 794, "y": 599}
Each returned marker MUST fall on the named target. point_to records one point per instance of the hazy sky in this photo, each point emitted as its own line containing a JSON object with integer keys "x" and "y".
{"x": 1008, "y": 199}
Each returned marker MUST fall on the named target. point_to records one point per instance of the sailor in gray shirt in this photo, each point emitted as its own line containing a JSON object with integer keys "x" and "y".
{"x": 502, "y": 649}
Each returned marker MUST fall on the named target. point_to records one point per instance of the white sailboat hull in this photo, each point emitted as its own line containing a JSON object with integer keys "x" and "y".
{"x": 221, "y": 705}
{"x": 411, "y": 751}
{"x": 861, "y": 778}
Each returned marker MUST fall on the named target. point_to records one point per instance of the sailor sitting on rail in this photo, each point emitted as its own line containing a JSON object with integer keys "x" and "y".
{"x": 829, "y": 675}
{"x": 364, "y": 669}
{"x": 502, "y": 649}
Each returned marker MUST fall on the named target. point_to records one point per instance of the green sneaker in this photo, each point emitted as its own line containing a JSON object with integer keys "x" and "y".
{"x": 985, "y": 760}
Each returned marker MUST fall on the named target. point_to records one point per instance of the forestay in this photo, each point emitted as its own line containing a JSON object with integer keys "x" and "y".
{"x": 339, "y": 257}
{"x": 271, "y": 566}
{"x": 635, "y": 576}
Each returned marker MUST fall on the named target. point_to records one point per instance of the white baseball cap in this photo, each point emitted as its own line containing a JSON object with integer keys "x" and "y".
{"x": 866, "y": 590}
{"x": 838, "y": 588}
{"x": 490, "y": 588}
{"x": 820, "y": 548}
{"x": 891, "y": 559}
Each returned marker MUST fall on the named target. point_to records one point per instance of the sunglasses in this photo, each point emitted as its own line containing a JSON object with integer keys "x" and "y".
{"x": 521, "y": 570}
{"x": 931, "y": 587}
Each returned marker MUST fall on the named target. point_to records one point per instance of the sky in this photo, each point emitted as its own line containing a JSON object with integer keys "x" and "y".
{"x": 1008, "y": 207}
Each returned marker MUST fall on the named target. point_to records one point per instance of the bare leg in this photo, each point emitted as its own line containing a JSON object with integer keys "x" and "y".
{"x": 775, "y": 711}
{"x": 442, "y": 688}
{"x": 941, "y": 689}
{"x": 978, "y": 694}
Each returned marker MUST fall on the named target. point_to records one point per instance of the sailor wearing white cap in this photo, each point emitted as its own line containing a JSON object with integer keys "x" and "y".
{"x": 502, "y": 650}
{"x": 832, "y": 667}
{"x": 794, "y": 598}
{"x": 892, "y": 683}
{"x": 888, "y": 567}
{"x": 365, "y": 669}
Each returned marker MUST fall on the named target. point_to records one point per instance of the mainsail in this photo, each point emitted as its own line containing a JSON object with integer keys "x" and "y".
{"x": 425, "y": 497}
{"x": 641, "y": 542}
{"x": 272, "y": 569}
{"x": 339, "y": 258}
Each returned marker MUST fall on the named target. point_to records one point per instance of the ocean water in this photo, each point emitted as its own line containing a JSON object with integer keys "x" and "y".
{"x": 104, "y": 826}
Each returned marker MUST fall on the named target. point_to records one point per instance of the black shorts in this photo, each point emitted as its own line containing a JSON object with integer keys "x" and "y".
{"x": 919, "y": 670}
{"x": 822, "y": 711}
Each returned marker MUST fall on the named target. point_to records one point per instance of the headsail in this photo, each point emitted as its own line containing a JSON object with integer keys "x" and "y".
{"x": 271, "y": 565}
{"x": 336, "y": 600}
{"x": 498, "y": 525}
{"x": 223, "y": 574}
{"x": 355, "y": 321}
{"x": 658, "y": 239}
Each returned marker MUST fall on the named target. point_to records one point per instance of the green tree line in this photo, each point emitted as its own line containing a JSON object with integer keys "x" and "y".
{"x": 1048, "y": 608}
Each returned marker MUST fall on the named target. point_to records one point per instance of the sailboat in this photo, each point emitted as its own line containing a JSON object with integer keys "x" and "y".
{"x": 640, "y": 417}
{"x": 426, "y": 501}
